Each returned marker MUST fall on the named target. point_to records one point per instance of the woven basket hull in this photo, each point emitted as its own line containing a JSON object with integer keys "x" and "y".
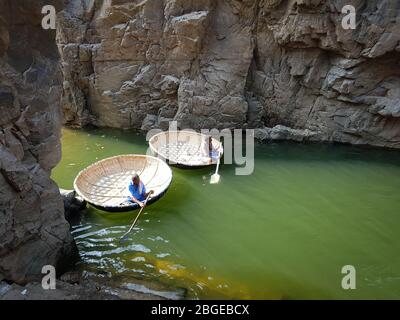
{"x": 183, "y": 149}
{"x": 104, "y": 184}
{"x": 181, "y": 165}
{"x": 133, "y": 207}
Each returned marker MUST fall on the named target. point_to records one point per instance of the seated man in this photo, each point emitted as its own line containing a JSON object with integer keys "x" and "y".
{"x": 209, "y": 152}
{"x": 138, "y": 191}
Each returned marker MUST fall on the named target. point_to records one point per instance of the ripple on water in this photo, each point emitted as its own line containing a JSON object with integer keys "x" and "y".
{"x": 80, "y": 228}
{"x": 158, "y": 238}
{"x": 138, "y": 259}
{"x": 174, "y": 295}
{"x": 103, "y": 232}
{"x": 119, "y": 250}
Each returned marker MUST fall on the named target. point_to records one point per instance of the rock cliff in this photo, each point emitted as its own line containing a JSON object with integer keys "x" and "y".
{"x": 231, "y": 63}
{"x": 285, "y": 67}
{"x": 33, "y": 230}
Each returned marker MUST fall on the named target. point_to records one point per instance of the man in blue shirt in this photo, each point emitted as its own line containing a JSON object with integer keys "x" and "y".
{"x": 209, "y": 151}
{"x": 138, "y": 191}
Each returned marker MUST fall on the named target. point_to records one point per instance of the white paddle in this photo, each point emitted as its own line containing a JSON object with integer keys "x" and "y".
{"x": 124, "y": 237}
{"x": 216, "y": 177}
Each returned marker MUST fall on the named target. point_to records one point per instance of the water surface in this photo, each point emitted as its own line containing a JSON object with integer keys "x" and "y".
{"x": 286, "y": 231}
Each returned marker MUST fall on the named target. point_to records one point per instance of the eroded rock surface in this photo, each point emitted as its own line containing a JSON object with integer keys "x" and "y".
{"x": 231, "y": 63}
{"x": 33, "y": 231}
{"x": 126, "y": 62}
{"x": 310, "y": 73}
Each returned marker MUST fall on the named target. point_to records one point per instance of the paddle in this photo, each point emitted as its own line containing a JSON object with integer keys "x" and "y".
{"x": 123, "y": 238}
{"x": 216, "y": 177}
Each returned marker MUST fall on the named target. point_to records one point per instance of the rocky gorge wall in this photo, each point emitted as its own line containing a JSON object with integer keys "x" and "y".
{"x": 286, "y": 67}
{"x": 33, "y": 230}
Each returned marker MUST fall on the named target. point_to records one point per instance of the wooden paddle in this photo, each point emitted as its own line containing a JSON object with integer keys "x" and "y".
{"x": 136, "y": 219}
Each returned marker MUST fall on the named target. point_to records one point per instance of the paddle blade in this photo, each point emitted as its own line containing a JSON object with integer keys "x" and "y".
{"x": 123, "y": 239}
{"x": 215, "y": 178}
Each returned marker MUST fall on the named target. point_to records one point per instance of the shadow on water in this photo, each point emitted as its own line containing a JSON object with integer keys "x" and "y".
{"x": 293, "y": 151}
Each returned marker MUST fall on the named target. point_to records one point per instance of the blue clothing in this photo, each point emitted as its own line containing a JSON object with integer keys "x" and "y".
{"x": 214, "y": 154}
{"x": 139, "y": 192}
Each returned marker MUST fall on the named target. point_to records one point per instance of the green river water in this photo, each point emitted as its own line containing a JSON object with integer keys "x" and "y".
{"x": 284, "y": 232}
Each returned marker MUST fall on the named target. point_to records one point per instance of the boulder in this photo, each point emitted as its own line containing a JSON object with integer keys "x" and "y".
{"x": 73, "y": 204}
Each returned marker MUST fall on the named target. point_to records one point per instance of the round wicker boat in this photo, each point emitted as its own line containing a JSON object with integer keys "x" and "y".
{"x": 184, "y": 148}
{"x": 104, "y": 184}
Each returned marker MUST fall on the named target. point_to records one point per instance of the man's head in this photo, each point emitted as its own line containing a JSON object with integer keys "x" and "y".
{"x": 210, "y": 142}
{"x": 135, "y": 179}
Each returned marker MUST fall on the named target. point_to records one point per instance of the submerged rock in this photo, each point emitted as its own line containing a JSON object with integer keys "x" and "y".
{"x": 72, "y": 277}
{"x": 73, "y": 204}
{"x": 284, "y": 133}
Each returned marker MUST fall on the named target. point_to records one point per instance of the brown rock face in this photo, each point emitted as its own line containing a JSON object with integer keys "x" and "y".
{"x": 33, "y": 231}
{"x": 310, "y": 73}
{"x": 143, "y": 63}
{"x": 231, "y": 63}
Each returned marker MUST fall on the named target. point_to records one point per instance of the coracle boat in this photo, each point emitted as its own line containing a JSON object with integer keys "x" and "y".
{"x": 185, "y": 149}
{"x": 105, "y": 184}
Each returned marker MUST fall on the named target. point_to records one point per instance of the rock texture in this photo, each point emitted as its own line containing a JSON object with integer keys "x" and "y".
{"x": 231, "y": 63}
{"x": 310, "y": 73}
{"x": 73, "y": 204}
{"x": 33, "y": 231}
{"x": 86, "y": 289}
